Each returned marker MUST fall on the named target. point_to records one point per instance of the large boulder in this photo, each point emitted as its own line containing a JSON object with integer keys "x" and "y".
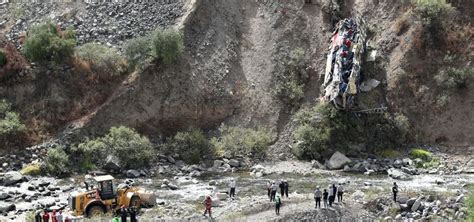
{"x": 6, "y": 207}
{"x": 416, "y": 205}
{"x": 12, "y": 177}
{"x": 234, "y": 163}
{"x": 398, "y": 174}
{"x": 133, "y": 173}
{"x": 112, "y": 163}
{"x": 4, "y": 195}
{"x": 338, "y": 161}
{"x": 218, "y": 163}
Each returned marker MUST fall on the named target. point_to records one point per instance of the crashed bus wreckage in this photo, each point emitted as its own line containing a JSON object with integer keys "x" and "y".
{"x": 342, "y": 78}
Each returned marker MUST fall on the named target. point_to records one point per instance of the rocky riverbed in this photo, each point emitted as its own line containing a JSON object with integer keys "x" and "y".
{"x": 181, "y": 188}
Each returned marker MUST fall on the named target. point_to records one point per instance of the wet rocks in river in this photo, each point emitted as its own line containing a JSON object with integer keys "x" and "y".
{"x": 12, "y": 177}
{"x": 4, "y": 196}
{"x": 234, "y": 163}
{"x": 133, "y": 173}
{"x": 337, "y": 161}
{"x": 398, "y": 174}
{"x": 6, "y": 207}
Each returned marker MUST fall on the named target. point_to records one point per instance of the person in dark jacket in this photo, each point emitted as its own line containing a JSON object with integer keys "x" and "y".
{"x": 133, "y": 214}
{"x": 285, "y": 186}
{"x": 325, "y": 198}
{"x": 395, "y": 191}
{"x": 38, "y": 216}
{"x": 123, "y": 214}
{"x": 282, "y": 188}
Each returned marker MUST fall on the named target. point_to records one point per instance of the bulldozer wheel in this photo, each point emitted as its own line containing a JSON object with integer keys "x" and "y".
{"x": 95, "y": 211}
{"x": 135, "y": 202}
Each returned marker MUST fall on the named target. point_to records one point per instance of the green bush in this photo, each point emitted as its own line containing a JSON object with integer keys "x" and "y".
{"x": 167, "y": 44}
{"x": 290, "y": 81}
{"x": 322, "y": 129}
{"x": 423, "y": 154}
{"x": 470, "y": 203}
{"x": 9, "y": 121}
{"x": 132, "y": 149}
{"x": 3, "y": 59}
{"x": 192, "y": 146}
{"x": 454, "y": 78}
{"x": 57, "y": 161}
{"x": 45, "y": 43}
{"x": 431, "y": 10}
{"x": 237, "y": 141}
{"x": 102, "y": 58}
{"x": 32, "y": 169}
{"x": 139, "y": 51}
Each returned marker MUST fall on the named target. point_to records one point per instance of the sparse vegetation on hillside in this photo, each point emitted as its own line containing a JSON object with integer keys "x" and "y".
{"x": 192, "y": 146}
{"x": 163, "y": 44}
{"x": 13, "y": 61}
{"x": 432, "y": 14}
{"x": 57, "y": 161}
{"x": 168, "y": 44}
{"x": 101, "y": 58}
{"x": 47, "y": 42}
{"x": 10, "y": 123}
{"x": 454, "y": 78}
{"x": 132, "y": 149}
{"x": 139, "y": 51}
{"x": 291, "y": 81}
{"x": 323, "y": 129}
{"x": 237, "y": 141}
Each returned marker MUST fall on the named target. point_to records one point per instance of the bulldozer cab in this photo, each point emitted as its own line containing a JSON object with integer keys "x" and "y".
{"x": 106, "y": 187}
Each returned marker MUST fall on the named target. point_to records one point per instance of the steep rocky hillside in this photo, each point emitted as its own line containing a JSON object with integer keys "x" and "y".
{"x": 235, "y": 64}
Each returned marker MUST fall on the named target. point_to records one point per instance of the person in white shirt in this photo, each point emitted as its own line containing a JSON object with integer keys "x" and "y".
{"x": 232, "y": 188}
{"x": 317, "y": 197}
{"x": 340, "y": 192}
{"x": 274, "y": 188}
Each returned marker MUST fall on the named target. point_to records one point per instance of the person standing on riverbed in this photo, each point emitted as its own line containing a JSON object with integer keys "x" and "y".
{"x": 45, "y": 216}
{"x": 269, "y": 189}
{"x": 232, "y": 188}
{"x": 285, "y": 187}
{"x": 282, "y": 188}
{"x": 277, "y": 204}
{"x": 395, "y": 191}
{"x": 317, "y": 197}
{"x": 331, "y": 196}
{"x": 274, "y": 191}
{"x": 325, "y": 198}
{"x": 208, "y": 205}
{"x": 340, "y": 192}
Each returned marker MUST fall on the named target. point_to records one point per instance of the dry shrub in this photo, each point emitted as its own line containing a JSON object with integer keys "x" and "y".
{"x": 402, "y": 25}
{"x": 15, "y": 62}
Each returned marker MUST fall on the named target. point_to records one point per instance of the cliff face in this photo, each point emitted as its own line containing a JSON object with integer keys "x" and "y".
{"x": 236, "y": 60}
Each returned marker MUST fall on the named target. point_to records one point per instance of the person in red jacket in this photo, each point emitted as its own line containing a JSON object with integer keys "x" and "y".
{"x": 208, "y": 205}
{"x": 53, "y": 216}
{"x": 45, "y": 216}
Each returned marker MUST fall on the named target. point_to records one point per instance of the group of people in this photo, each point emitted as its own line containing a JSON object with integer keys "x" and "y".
{"x": 272, "y": 189}
{"x": 122, "y": 214}
{"x": 51, "y": 217}
{"x": 328, "y": 197}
